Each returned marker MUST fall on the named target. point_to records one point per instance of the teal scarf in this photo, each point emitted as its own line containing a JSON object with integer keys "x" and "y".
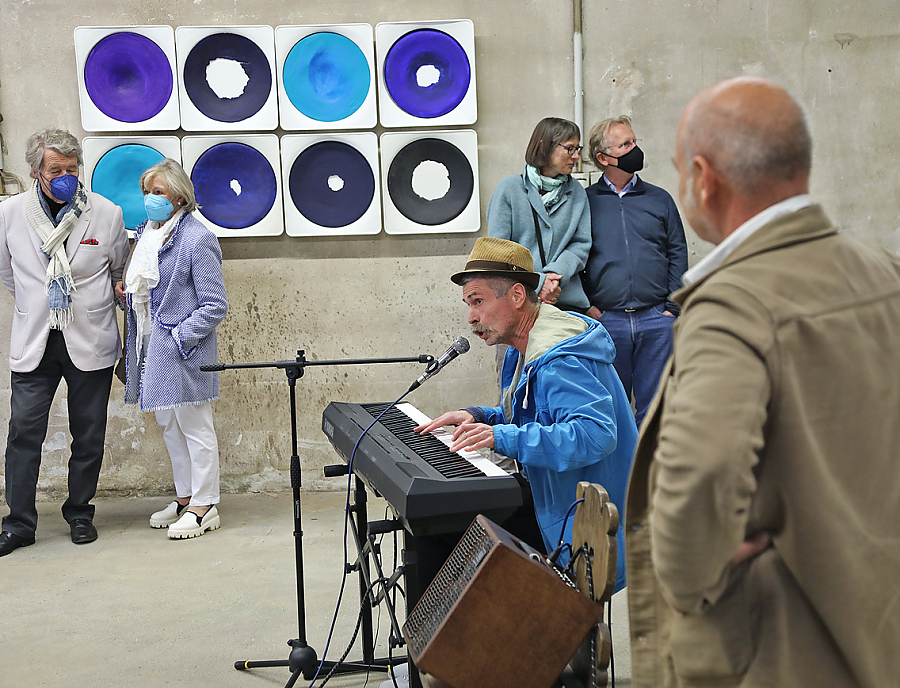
{"x": 552, "y": 185}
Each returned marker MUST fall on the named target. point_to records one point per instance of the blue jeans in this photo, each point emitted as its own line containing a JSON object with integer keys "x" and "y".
{"x": 643, "y": 340}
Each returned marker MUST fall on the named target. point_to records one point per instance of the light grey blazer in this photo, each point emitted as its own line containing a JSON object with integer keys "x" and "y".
{"x": 92, "y": 339}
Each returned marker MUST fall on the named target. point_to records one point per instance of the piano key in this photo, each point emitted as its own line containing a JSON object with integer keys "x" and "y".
{"x": 478, "y": 460}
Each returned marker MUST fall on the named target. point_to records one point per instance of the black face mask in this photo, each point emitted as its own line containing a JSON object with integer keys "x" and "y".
{"x": 631, "y": 162}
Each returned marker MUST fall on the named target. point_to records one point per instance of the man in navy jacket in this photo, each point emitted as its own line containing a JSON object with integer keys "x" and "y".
{"x": 636, "y": 261}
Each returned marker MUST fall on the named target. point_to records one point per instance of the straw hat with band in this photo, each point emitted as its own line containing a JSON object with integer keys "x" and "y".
{"x": 493, "y": 257}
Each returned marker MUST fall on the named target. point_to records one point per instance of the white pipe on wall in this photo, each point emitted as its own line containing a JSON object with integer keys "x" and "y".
{"x": 579, "y": 71}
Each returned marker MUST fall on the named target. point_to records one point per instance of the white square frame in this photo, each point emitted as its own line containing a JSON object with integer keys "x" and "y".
{"x": 395, "y": 222}
{"x": 192, "y": 147}
{"x": 286, "y": 37}
{"x": 92, "y": 118}
{"x": 192, "y": 119}
{"x": 296, "y": 225}
{"x": 95, "y": 147}
{"x": 390, "y": 114}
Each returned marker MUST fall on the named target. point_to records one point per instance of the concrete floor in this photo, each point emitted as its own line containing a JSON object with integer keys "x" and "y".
{"x": 137, "y": 609}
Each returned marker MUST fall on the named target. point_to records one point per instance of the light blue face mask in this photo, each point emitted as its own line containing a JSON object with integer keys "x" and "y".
{"x": 158, "y": 208}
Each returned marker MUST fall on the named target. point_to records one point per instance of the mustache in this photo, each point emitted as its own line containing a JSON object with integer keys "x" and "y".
{"x": 478, "y": 329}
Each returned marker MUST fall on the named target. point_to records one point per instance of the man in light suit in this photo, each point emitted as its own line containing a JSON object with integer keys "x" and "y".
{"x": 761, "y": 517}
{"x": 61, "y": 251}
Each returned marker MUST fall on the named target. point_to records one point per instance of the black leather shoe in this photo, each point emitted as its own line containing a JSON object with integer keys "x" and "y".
{"x": 11, "y": 541}
{"x": 83, "y": 531}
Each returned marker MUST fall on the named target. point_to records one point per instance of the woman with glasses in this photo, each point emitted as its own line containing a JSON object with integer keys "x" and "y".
{"x": 546, "y": 210}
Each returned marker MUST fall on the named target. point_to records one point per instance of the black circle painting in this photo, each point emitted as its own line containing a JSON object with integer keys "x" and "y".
{"x": 227, "y": 77}
{"x": 446, "y": 183}
{"x": 332, "y": 184}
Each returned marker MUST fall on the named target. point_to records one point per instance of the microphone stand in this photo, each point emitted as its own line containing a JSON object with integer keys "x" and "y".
{"x": 303, "y": 659}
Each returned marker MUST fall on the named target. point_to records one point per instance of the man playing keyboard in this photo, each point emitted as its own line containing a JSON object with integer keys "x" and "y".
{"x": 564, "y": 415}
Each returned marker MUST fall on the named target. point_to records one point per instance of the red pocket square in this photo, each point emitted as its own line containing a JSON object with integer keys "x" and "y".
{"x": 91, "y": 242}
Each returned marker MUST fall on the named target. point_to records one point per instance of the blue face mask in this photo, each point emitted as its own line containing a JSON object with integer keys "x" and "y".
{"x": 158, "y": 208}
{"x": 63, "y": 188}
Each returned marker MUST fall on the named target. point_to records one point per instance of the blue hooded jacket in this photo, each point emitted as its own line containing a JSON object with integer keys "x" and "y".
{"x": 571, "y": 420}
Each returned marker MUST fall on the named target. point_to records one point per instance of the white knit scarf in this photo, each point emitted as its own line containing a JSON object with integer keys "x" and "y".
{"x": 58, "y": 285}
{"x": 143, "y": 273}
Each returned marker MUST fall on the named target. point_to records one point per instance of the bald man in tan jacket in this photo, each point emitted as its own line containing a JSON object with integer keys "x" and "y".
{"x": 762, "y": 537}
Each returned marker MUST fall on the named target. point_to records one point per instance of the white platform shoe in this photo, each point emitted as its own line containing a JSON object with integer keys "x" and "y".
{"x": 168, "y": 516}
{"x": 191, "y": 525}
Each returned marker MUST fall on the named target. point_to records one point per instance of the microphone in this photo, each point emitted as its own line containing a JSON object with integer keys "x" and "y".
{"x": 459, "y": 346}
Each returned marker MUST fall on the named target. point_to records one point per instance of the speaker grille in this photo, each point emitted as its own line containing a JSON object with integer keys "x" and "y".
{"x": 447, "y": 587}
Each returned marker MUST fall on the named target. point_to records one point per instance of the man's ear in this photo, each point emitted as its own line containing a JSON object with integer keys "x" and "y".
{"x": 517, "y": 292}
{"x": 706, "y": 181}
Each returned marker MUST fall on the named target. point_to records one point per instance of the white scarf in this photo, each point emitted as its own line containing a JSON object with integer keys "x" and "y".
{"x": 58, "y": 284}
{"x": 143, "y": 273}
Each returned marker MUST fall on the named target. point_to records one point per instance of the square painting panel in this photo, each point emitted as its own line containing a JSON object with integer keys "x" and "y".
{"x": 126, "y": 78}
{"x": 326, "y": 77}
{"x": 237, "y": 183}
{"x": 113, "y": 167}
{"x": 331, "y": 184}
{"x": 227, "y": 78}
{"x": 426, "y": 73}
{"x": 429, "y": 181}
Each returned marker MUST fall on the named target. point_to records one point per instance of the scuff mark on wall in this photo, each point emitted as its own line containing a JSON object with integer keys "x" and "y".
{"x": 626, "y": 86}
{"x": 845, "y": 39}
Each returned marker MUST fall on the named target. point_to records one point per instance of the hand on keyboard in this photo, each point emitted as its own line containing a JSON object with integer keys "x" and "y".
{"x": 472, "y": 436}
{"x": 449, "y": 418}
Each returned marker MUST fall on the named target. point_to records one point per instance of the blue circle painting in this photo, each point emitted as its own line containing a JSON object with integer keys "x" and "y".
{"x": 117, "y": 176}
{"x": 234, "y": 184}
{"x": 326, "y": 76}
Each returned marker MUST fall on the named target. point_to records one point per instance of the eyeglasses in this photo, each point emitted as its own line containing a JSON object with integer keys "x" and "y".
{"x": 623, "y": 146}
{"x": 571, "y": 150}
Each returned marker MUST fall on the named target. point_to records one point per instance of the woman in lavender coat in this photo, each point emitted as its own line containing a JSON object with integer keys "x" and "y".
{"x": 176, "y": 298}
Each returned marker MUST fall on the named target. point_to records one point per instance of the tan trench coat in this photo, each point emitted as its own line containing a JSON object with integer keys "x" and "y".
{"x": 779, "y": 411}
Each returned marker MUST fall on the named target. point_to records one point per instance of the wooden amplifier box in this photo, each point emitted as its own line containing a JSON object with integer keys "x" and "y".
{"x": 497, "y": 615}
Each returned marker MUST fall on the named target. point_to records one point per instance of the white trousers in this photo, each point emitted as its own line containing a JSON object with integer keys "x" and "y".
{"x": 191, "y": 440}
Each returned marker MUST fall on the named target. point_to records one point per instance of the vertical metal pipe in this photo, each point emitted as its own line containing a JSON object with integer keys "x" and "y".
{"x": 579, "y": 70}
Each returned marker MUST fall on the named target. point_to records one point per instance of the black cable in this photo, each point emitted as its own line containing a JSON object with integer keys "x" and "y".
{"x": 345, "y": 571}
{"x": 359, "y": 619}
{"x": 562, "y": 535}
{"x": 612, "y": 659}
{"x": 589, "y": 572}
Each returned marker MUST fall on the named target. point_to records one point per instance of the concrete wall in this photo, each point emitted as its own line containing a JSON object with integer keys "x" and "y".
{"x": 390, "y": 295}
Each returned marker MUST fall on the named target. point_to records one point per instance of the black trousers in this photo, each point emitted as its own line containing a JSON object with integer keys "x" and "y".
{"x": 32, "y": 395}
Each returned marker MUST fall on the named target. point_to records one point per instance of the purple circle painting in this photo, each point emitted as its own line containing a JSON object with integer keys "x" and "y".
{"x": 128, "y": 77}
{"x": 427, "y": 73}
{"x": 235, "y": 185}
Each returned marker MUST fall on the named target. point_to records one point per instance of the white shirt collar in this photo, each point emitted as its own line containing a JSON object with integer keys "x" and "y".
{"x": 718, "y": 255}
{"x": 628, "y": 187}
